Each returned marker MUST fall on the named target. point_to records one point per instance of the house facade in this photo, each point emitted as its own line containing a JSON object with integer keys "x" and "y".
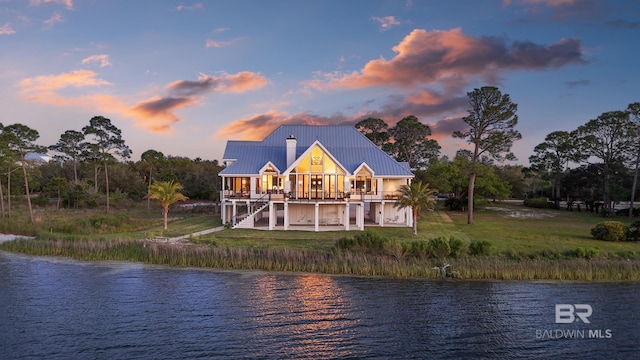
{"x": 303, "y": 177}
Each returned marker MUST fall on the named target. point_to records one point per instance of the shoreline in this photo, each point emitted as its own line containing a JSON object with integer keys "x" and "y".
{"x": 282, "y": 260}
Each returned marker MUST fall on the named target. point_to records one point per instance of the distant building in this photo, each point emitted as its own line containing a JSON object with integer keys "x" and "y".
{"x": 304, "y": 177}
{"x": 38, "y": 157}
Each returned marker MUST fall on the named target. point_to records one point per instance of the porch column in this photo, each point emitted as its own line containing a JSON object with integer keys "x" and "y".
{"x": 272, "y": 216}
{"x": 381, "y": 214}
{"x": 360, "y": 216}
{"x": 346, "y": 217}
{"x": 234, "y": 212}
{"x": 316, "y": 216}
{"x": 286, "y": 216}
{"x": 223, "y": 212}
{"x": 252, "y": 187}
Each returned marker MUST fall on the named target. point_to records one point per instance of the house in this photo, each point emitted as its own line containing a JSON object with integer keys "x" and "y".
{"x": 303, "y": 177}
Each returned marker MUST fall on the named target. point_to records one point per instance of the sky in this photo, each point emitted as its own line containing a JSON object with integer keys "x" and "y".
{"x": 183, "y": 77}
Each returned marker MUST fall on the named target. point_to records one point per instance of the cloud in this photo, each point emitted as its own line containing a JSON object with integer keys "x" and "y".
{"x": 102, "y": 59}
{"x": 156, "y": 114}
{"x": 6, "y": 30}
{"x": 386, "y": 22}
{"x": 236, "y": 83}
{"x": 573, "y": 84}
{"x": 449, "y": 58}
{"x": 67, "y": 3}
{"x": 55, "y": 18}
{"x": 623, "y": 24}
{"x": 196, "y": 6}
{"x": 256, "y": 126}
{"x": 40, "y": 87}
{"x": 217, "y": 44}
{"x": 543, "y": 10}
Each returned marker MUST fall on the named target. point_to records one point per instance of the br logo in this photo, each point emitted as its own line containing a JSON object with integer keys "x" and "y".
{"x": 567, "y": 313}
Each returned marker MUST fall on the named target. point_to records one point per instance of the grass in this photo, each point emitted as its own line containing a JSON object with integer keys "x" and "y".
{"x": 535, "y": 247}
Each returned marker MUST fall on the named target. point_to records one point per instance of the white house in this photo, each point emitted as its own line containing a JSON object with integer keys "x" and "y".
{"x": 303, "y": 177}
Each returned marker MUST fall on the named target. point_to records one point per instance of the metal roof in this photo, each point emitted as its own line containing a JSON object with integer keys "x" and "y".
{"x": 345, "y": 143}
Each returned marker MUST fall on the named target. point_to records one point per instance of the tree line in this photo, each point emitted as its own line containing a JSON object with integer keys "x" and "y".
{"x": 596, "y": 163}
{"x": 92, "y": 167}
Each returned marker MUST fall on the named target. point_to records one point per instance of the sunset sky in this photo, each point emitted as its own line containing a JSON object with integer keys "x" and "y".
{"x": 184, "y": 77}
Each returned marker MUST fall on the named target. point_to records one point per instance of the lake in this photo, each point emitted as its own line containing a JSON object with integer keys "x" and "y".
{"x": 55, "y": 308}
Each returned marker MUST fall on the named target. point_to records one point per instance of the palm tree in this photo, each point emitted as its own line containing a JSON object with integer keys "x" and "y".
{"x": 168, "y": 193}
{"x": 416, "y": 196}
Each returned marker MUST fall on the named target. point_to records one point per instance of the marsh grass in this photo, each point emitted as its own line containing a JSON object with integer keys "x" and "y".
{"x": 555, "y": 247}
{"x": 346, "y": 263}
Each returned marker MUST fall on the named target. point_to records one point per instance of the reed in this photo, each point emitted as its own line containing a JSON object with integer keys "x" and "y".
{"x": 337, "y": 262}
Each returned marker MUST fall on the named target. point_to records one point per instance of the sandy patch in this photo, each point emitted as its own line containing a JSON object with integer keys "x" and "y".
{"x": 9, "y": 237}
{"x": 522, "y": 213}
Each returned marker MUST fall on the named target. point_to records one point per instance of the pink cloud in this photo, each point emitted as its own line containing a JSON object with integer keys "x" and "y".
{"x": 6, "y": 30}
{"x": 216, "y": 44}
{"x": 54, "y": 19}
{"x": 67, "y": 3}
{"x": 237, "y": 83}
{"x": 451, "y": 57}
{"x": 255, "y": 127}
{"x": 196, "y": 6}
{"x": 42, "y": 86}
{"x": 102, "y": 59}
{"x": 156, "y": 114}
{"x": 386, "y": 22}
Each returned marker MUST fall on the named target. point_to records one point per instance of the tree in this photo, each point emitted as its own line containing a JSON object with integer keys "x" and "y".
{"x": 151, "y": 159}
{"x": 71, "y": 145}
{"x": 107, "y": 143}
{"x": 416, "y": 196}
{"x": 375, "y": 130}
{"x": 634, "y": 113}
{"x": 58, "y": 186}
{"x": 554, "y": 155}
{"x": 610, "y": 137}
{"x": 491, "y": 121}
{"x": 410, "y": 143}
{"x": 168, "y": 193}
{"x": 20, "y": 141}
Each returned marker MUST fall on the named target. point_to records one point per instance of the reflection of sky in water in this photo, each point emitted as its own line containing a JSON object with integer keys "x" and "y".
{"x": 58, "y": 309}
{"x": 310, "y": 312}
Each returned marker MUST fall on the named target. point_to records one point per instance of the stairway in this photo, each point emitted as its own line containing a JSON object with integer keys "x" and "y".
{"x": 247, "y": 222}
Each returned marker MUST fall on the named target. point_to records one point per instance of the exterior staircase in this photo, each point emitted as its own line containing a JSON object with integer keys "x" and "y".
{"x": 247, "y": 221}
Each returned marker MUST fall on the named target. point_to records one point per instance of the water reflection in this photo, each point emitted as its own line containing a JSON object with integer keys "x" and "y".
{"x": 64, "y": 309}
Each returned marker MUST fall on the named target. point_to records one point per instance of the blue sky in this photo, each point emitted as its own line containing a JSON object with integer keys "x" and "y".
{"x": 184, "y": 77}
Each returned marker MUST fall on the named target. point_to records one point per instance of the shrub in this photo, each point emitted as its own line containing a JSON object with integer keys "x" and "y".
{"x": 610, "y": 231}
{"x": 458, "y": 247}
{"x": 541, "y": 203}
{"x": 455, "y": 203}
{"x": 584, "y": 253}
{"x": 419, "y": 249}
{"x": 397, "y": 249}
{"x": 479, "y": 247}
{"x": 439, "y": 247}
{"x": 369, "y": 241}
{"x": 345, "y": 243}
{"x": 634, "y": 231}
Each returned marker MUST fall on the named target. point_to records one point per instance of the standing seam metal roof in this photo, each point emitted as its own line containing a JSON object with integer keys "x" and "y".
{"x": 345, "y": 143}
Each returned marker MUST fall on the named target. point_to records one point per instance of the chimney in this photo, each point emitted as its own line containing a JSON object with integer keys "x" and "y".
{"x": 291, "y": 149}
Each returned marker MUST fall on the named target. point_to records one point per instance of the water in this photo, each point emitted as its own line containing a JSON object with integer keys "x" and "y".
{"x": 63, "y": 309}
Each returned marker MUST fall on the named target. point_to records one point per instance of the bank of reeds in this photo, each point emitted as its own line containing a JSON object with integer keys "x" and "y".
{"x": 337, "y": 262}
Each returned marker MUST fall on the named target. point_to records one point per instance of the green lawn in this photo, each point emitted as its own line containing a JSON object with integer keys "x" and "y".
{"x": 540, "y": 230}
{"x": 537, "y": 230}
